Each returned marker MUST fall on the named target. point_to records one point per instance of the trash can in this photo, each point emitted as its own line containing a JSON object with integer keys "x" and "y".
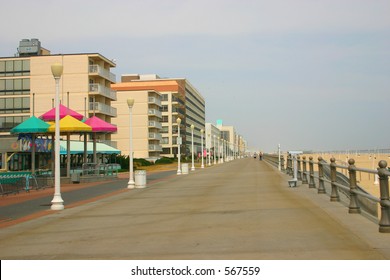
{"x": 140, "y": 179}
{"x": 184, "y": 168}
{"x": 75, "y": 177}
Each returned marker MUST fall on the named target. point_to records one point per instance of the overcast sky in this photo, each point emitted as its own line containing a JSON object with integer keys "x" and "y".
{"x": 308, "y": 74}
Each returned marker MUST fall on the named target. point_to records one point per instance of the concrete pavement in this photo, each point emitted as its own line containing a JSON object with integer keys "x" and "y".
{"x": 238, "y": 210}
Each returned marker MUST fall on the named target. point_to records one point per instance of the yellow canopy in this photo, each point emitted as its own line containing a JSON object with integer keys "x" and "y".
{"x": 70, "y": 124}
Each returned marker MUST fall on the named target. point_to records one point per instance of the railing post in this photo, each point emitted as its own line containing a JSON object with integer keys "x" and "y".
{"x": 384, "y": 223}
{"x": 299, "y": 172}
{"x": 334, "y": 196}
{"x": 312, "y": 184}
{"x": 288, "y": 165}
{"x": 282, "y": 163}
{"x": 353, "y": 202}
{"x": 321, "y": 186}
{"x": 304, "y": 175}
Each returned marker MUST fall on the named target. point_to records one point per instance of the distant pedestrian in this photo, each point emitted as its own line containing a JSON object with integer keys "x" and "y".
{"x": 261, "y": 156}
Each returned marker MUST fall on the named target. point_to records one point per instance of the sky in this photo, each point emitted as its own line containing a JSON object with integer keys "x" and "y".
{"x": 305, "y": 74}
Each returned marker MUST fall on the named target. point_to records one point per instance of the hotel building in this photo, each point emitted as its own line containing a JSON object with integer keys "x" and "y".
{"x": 179, "y": 99}
{"x": 27, "y": 88}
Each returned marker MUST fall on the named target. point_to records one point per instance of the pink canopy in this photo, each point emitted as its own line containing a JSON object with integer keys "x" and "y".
{"x": 64, "y": 111}
{"x": 98, "y": 125}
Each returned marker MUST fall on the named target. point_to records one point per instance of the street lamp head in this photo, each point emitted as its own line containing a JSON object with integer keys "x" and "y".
{"x": 192, "y": 127}
{"x": 130, "y": 102}
{"x": 56, "y": 70}
{"x": 178, "y": 121}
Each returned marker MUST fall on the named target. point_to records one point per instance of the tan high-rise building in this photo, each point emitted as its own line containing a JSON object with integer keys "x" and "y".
{"x": 179, "y": 99}
{"x": 27, "y": 87}
{"x": 146, "y": 123}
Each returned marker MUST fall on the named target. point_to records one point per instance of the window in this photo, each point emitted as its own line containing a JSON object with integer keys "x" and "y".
{"x": 11, "y": 68}
{"x": 14, "y": 105}
{"x": 7, "y": 123}
{"x": 15, "y": 87}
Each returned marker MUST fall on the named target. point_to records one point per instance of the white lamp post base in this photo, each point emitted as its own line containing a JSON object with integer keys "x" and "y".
{"x": 57, "y": 203}
{"x": 131, "y": 184}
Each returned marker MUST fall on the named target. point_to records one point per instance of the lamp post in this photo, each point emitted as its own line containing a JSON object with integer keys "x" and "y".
{"x": 57, "y": 203}
{"x": 178, "y": 121}
{"x": 192, "y": 147}
{"x": 131, "y": 183}
{"x": 209, "y": 154}
{"x": 201, "y": 141}
{"x": 219, "y": 150}
{"x": 214, "y": 152}
{"x": 223, "y": 148}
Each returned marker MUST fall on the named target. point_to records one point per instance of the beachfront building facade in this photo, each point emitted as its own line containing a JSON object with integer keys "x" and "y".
{"x": 146, "y": 118}
{"x": 27, "y": 88}
{"x": 179, "y": 100}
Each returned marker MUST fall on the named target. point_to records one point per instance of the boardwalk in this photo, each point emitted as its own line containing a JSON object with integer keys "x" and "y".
{"x": 237, "y": 210}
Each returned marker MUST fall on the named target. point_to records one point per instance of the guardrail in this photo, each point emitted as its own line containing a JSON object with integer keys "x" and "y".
{"x": 273, "y": 159}
{"x": 14, "y": 182}
{"x": 327, "y": 173}
{"x": 99, "y": 169}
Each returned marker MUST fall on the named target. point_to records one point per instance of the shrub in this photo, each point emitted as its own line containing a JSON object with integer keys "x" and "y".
{"x": 142, "y": 162}
{"x": 164, "y": 160}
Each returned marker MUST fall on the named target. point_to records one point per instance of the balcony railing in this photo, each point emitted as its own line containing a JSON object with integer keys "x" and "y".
{"x": 156, "y": 148}
{"x": 102, "y": 90}
{"x": 96, "y": 69}
{"x": 102, "y": 108}
{"x": 155, "y": 136}
{"x": 154, "y": 112}
{"x": 154, "y": 100}
{"x": 155, "y": 124}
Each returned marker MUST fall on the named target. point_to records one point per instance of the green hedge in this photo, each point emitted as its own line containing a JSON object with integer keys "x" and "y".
{"x": 164, "y": 160}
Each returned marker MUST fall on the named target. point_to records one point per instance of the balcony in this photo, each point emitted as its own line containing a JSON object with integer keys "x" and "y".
{"x": 96, "y": 69}
{"x": 155, "y": 136}
{"x": 155, "y": 148}
{"x": 102, "y": 108}
{"x": 154, "y": 100}
{"x": 102, "y": 90}
{"x": 155, "y": 124}
{"x": 154, "y": 112}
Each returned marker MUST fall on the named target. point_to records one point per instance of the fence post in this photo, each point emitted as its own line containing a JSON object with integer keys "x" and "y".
{"x": 321, "y": 186}
{"x": 312, "y": 184}
{"x": 334, "y": 196}
{"x": 384, "y": 223}
{"x": 289, "y": 164}
{"x": 299, "y": 171}
{"x": 304, "y": 175}
{"x": 353, "y": 202}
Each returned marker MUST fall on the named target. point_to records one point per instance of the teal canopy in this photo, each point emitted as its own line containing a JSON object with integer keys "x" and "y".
{"x": 31, "y": 125}
{"x": 77, "y": 147}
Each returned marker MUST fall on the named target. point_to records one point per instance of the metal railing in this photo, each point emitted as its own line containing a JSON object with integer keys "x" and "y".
{"x": 94, "y": 68}
{"x": 273, "y": 159}
{"x": 358, "y": 198}
{"x": 103, "y": 90}
{"x": 99, "y": 169}
{"x": 99, "y": 107}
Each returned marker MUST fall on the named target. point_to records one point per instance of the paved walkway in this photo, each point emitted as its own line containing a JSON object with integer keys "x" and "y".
{"x": 238, "y": 210}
